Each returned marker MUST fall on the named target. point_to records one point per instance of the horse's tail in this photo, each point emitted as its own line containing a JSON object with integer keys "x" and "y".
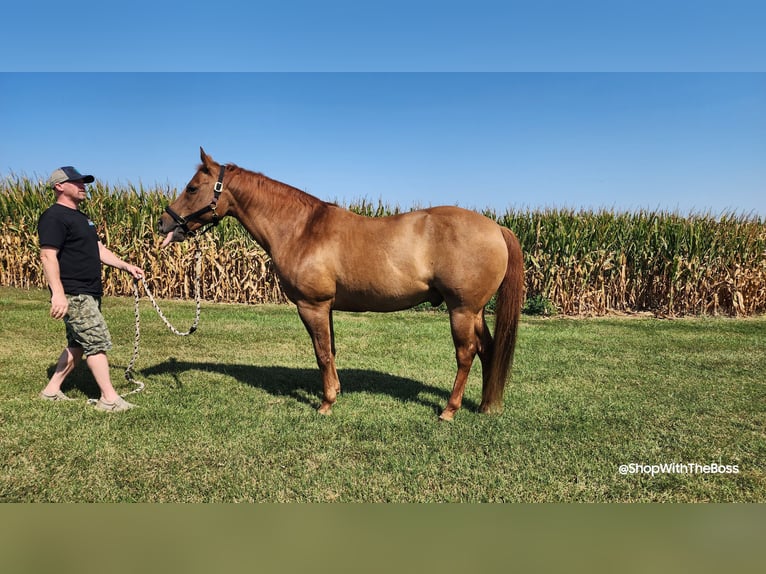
{"x": 510, "y": 298}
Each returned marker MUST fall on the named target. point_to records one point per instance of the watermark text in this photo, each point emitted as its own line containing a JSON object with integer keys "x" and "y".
{"x": 678, "y": 468}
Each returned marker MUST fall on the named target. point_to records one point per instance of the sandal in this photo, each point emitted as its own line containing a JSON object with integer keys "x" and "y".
{"x": 59, "y": 396}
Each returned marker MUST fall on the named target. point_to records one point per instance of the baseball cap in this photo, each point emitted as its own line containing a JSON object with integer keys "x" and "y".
{"x": 68, "y": 173}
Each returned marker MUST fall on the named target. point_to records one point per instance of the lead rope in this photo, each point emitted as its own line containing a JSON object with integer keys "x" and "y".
{"x": 197, "y": 273}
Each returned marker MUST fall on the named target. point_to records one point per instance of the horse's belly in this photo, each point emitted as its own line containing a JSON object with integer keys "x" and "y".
{"x": 390, "y": 299}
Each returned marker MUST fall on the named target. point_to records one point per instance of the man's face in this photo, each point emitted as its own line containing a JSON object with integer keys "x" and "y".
{"x": 73, "y": 189}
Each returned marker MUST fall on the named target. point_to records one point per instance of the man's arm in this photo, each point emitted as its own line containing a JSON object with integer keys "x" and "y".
{"x": 109, "y": 258}
{"x": 59, "y": 303}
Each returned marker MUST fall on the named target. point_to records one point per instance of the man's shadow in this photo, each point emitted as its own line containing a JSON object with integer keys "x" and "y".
{"x": 305, "y": 385}
{"x": 80, "y": 378}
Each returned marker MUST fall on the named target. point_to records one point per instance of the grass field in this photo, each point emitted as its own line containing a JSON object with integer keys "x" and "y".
{"x": 228, "y": 413}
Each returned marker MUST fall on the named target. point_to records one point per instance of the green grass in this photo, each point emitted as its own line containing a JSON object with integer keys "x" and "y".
{"x": 228, "y": 413}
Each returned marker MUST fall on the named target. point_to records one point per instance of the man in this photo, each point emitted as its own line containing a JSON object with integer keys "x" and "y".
{"x": 72, "y": 255}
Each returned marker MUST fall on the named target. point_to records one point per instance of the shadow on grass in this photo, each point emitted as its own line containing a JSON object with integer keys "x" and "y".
{"x": 305, "y": 386}
{"x": 80, "y": 378}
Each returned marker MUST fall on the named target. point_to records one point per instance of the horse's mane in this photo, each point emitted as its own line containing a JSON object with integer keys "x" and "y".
{"x": 285, "y": 193}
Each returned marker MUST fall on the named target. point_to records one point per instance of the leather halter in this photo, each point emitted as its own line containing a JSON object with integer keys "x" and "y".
{"x": 183, "y": 222}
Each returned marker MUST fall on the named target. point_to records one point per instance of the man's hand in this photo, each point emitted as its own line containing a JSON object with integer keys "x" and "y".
{"x": 59, "y": 306}
{"x": 136, "y": 272}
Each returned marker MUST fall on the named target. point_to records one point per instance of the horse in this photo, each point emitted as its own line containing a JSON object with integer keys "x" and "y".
{"x": 330, "y": 259}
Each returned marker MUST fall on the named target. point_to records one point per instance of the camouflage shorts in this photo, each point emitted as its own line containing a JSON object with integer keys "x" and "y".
{"x": 85, "y": 325}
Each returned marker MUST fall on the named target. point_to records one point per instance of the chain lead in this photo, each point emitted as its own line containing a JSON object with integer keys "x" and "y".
{"x": 197, "y": 298}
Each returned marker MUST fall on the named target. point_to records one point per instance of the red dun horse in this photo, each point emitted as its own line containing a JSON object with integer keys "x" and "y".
{"x": 328, "y": 258}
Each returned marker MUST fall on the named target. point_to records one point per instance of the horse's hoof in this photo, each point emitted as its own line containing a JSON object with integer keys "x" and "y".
{"x": 325, "y": 409}
{"x": 491, "y": 410}
{"x": 447, "y": 416}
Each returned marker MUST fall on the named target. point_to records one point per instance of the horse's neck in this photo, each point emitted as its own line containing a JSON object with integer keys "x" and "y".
{"x": 266, "y": 209}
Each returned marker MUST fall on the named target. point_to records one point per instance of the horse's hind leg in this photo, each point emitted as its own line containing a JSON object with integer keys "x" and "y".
{"x": 318, "y": 321}
{"x": 486, "y": 345}
{"x": 332, "y": 348}
{"x": 463, "y": 323}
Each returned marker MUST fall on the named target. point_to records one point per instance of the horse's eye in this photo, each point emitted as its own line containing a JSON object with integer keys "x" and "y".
{"x": 191, "y": 189}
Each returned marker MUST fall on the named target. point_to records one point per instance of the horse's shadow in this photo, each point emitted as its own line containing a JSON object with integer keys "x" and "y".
{"x": 305, "y": 386}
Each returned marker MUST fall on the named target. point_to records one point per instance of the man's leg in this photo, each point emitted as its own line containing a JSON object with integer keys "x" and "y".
{"x": 66, "y": 364}
{"x": 99, "y": 366}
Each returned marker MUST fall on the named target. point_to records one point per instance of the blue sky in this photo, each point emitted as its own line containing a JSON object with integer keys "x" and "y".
{"x": 505, "y": 104}
{"x": 384, "y": 35}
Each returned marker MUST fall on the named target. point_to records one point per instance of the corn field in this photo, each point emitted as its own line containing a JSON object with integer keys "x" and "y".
{"x": 584, "y": 263}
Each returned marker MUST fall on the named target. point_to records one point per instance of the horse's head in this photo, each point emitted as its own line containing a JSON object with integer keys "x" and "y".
{"x": 198, "y": 203}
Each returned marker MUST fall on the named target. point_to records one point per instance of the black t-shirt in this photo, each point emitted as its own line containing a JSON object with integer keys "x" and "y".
{"x": 74, "y": 235}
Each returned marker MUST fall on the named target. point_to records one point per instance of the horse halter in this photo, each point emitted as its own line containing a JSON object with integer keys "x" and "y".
{"x": 183, "y": 222}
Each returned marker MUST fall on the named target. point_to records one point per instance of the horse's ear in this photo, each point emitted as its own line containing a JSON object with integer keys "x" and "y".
{"x": 207, "y": 161}
{"x": 204, "y": 158}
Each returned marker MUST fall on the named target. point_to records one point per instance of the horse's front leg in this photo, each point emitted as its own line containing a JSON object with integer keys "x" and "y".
{"x": 317, "y": 317}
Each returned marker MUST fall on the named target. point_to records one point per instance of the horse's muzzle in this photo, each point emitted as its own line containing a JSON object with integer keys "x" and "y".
{"x": 171, "y": 230}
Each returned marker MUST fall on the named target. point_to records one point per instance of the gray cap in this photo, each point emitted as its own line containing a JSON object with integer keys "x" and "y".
{"x": 68, "y": 173}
